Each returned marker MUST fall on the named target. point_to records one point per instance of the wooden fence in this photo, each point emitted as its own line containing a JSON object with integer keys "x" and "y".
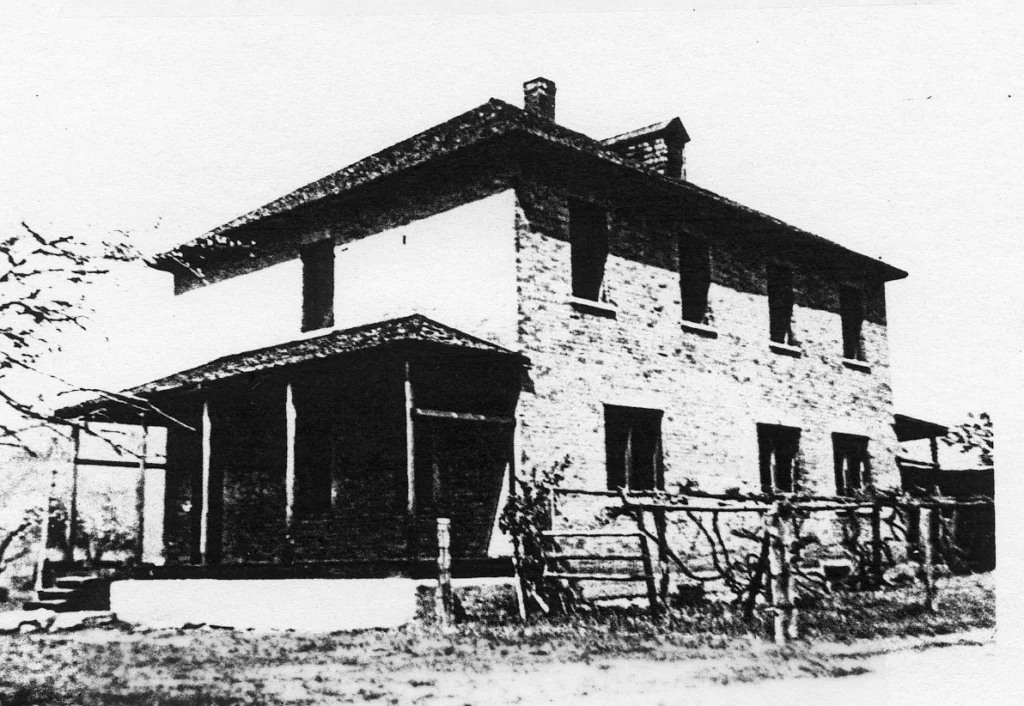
{"x": 778, "y": 563}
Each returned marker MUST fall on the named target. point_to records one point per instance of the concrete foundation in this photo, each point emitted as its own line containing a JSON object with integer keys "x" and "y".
{"x": 306, "y": 605}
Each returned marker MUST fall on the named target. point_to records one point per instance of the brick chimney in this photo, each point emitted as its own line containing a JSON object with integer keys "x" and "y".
{"x": 539, "y": 98}
{"x": 658, "y": 147}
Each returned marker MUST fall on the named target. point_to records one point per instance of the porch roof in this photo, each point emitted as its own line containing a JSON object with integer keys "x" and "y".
{"x": 416, "y": 329}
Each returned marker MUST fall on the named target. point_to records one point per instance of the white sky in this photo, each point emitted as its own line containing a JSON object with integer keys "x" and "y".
{"x": 892, "y": 129}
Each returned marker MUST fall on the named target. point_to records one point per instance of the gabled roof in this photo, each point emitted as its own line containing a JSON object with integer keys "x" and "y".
{"x": 673, "y": 127}
{"x": 415, "y": 329}
{"x": 491, "y": 120}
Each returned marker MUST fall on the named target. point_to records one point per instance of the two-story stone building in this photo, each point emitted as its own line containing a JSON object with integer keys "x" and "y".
{"x": 397, "y": 340}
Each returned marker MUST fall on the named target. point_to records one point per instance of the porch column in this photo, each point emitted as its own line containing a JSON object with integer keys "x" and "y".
{"x": 289, "y": 464}
{"x": 44, "y": 529}
{"x": 934, "y": 443}
{"x": 72, "y": 528}
{"x": 204, "y": 515}
{"x": 410, "y": 465}
{"x": 140, "y": 496}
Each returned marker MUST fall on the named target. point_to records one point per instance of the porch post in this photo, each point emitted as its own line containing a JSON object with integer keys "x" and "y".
{"x": 289, "y": 467}
{"x": 934, "y": 443}
{"x": 140, "y": 496}
{"x": 410, "y": 465}
{"x": 204, "y": 516}
{"x": 44, "y": 530}
{"x": 513, "y": 491}
{"x": 72, "y": 528}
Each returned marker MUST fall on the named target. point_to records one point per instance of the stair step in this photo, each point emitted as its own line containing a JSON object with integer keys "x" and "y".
{"x": 58, "y": 593}
{"x": 77, "y": 581}
{"x": 57, "y": 605}
{"x": 599, "y": 577}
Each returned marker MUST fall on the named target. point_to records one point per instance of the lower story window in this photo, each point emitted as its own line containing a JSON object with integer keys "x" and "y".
{"x": 853, "y": 465}
{"x": 633, "y": 448}
{"x": 779, "y": 451}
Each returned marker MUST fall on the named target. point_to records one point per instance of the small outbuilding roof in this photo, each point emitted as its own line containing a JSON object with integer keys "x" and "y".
{"x": 911, "y": 428}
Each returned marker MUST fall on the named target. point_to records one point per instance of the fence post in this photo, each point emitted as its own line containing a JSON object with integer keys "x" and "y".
{"x": 664, "y": 573}
{"x": 443, "y": 597}
{"x": 645, "y": 558}
{"x": 927, "y": 557}
{"x": 876, "y": 545}
{"x": 786, "y": 535}
{"x": 72, "y": 525}
{"x": 776, "y": 562}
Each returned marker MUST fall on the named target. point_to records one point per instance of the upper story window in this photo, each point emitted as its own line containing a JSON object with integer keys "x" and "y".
{"x": 779, "y": 451}
{"x": 853, "y": 465}
{"x": 694, "y": 278}
{"x": 851, "y": 310}
{"x": 780, "y": 305}
{"x": 588, "y": 240}
{"x": 633, "y": 448}
{"x": 317, "y": 285}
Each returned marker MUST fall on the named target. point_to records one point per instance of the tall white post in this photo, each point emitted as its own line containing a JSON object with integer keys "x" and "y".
{"x": 289, "y": 467}
{"x": 72, "y": 529}
{"x": 44, "y": 530}
{"x": 204, "y": 516}
{"x": 410, "y": 467}
{"x": 140, "y": 495}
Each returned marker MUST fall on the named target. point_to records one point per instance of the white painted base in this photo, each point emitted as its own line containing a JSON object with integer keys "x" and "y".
{"x": 305, "y": 605}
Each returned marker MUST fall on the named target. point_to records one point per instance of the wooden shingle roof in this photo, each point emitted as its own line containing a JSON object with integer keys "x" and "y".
{"x": 494, "y": 119}
{"x": 415, "y": 329}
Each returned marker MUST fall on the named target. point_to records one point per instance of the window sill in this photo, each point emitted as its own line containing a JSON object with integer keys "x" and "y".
{"x": 589, "y": 306}
{"x": 700, "y": 329}
{"x": 786, "y": 349}
{"x": 854, "y": 364}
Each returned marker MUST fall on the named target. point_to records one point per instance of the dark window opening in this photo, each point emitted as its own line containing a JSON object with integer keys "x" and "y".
{"x": 588, "y": 240}
{"x": 780, "y": 305}
{"x": 779, "y": 449}
{"x": 318, "y": 285}
{"x": 851, "y": 309}
{"x": 633, "y": 448}
{"x": 853, "y": 465}
{"x": 694, "y": 278}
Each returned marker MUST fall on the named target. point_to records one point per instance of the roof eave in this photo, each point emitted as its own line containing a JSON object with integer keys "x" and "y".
{"x": 503, "y": 120}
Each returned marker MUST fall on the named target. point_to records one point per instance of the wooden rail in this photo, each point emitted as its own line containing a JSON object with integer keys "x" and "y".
{"x": 778, "y": 513}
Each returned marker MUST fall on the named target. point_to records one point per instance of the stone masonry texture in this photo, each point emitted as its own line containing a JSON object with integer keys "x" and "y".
{"x": 713, "y": 390}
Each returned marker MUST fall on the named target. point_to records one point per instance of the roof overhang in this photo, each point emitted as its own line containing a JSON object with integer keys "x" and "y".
{"x": 912, "y": 429}
{"x": 496, "y": 122}
{"x": 415, "y": 334}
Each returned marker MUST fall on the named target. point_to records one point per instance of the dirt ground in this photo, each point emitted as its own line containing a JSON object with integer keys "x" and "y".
{"x": 881, "y": 650}
{"x": 228, "y": 667}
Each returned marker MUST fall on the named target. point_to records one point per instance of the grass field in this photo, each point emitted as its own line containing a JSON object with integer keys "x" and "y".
{"x": 608, "y": 657}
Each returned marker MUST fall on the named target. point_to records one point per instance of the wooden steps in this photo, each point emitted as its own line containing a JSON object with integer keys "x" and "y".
{"x": 73, "y": 593}
{"x": 52, "y": 594}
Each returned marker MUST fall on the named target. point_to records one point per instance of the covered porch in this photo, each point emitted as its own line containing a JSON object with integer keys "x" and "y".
{"x": 330, "y": 456}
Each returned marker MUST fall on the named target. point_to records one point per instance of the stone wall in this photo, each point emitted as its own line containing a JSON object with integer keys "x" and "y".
{"x": 715, "y": 387}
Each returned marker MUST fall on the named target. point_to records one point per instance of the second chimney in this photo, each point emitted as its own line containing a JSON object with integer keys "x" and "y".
{"x": 658, "y": 147}
{"x": 539, "y": 98}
